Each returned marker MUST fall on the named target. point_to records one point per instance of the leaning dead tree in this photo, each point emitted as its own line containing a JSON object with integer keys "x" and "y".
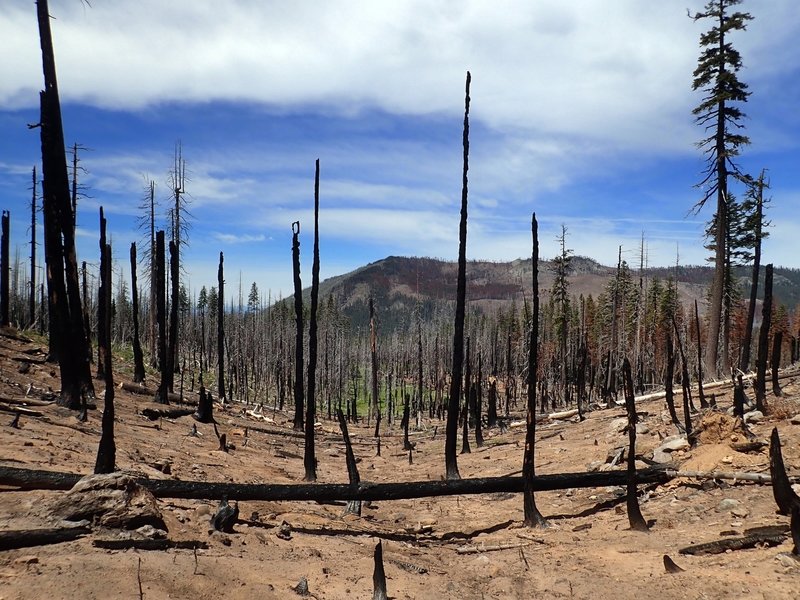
{"x": 107, "y": 450}
{"x": 533, "y": 518}
{"x": 64, "y": 301}
{"x": 450, "y": 457}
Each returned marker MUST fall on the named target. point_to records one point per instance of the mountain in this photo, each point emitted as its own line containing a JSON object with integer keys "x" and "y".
{"x": 403, "y": 286}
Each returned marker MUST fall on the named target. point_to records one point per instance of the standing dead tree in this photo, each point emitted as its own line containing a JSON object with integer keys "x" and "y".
{"x": 353, "y": 506}
{"x": 533, "y": 518}
{"x": 71, "y": 343}
{"x": 450, "y": 456}
{"x": 221, "y": 330}
{"x": 107, "y": 450}
{"x": 763, "y": 343}
{"x": 309, "y": 460}
{"x": 4, "y": 269}
{"x": 32, "y": 296}
{"x": 298, "y": 316}
{"x": 138, "y": 356}
{"x": 635, "y": 517}
{"x": 162, "y": 395}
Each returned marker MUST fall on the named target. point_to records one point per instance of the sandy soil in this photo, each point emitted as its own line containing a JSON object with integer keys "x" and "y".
{"x": 588, "y": 552}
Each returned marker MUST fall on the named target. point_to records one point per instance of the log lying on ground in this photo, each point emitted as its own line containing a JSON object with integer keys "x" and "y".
{"x": 741, "y": 543}
{"x": 164, "y": 411}
{"x": 729, "y": 475}
{"x": 148, "y": 544}
{"x": 28, "y": 479}
{"x": 135, "y": 388}
{"x": 27, "y": 538}
{"x": 19, "y": 410}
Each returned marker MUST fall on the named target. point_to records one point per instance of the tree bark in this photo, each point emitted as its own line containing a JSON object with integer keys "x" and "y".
{"x": 775, "y": 363}
{"x": 309, "y": 460}
{"x": 450, "y": 457}
{"x": 763, "y": 343}
{"x": 635, "y": 518}
{"x": 107, "y": 450}
{"x": 26, "y": 479}
{"x": 138, "y": 356}
{"x": 298, "y": 317}
{"x": 532, "y": 516}
{"x": 161, "y": 310}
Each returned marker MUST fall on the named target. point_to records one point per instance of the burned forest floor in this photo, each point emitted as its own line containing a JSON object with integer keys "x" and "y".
{"x": 466, "y": 547}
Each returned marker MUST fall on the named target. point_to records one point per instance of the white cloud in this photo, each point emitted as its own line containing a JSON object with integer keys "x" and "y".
{"x": 617, "y": 72}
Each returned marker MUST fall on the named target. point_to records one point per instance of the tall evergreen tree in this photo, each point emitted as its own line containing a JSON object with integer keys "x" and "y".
{"x": 717, "y": 113}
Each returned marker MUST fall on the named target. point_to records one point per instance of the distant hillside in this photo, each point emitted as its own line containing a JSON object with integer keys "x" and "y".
{"x": 403, "y": 286}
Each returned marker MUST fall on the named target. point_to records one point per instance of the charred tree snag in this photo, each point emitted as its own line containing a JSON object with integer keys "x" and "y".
{"x": 373, "y": 354}
{"x": 107, "y": 451}
{"x": 138, "y": 356}
{"x": 175, "y": 301}
{"x": 475, "y": 403}
{"x": 635, "y": 517}
{"x": 4, "y": 269}
{"x": 205, "y": 407}
{"x": 465, "y": 448}
{"x": 668, "y": 380}
{"x": 221, "y": 329}
{"x": 700, "y": 393}
{"x": 763, "y": 343}
{"x": 775, "y": 363}
{"x": 309, "y": 459}
{"x": 71, "y": 347}
{"x": 738, "y": 398}
{"x": 685, "y": 387}
{"x": 404, "y": 422}
{"x": 353, "y": 506}
{"x": 103, "y": 306}
{"x": 450, "y": 458}
{"x": 32, "y": 296}
{"x": 28, "y": 479}
{"x": 298, "y": 316}
{"x": 785, "y": 497}
{"x": 757, "y": 190}
{"x": 532, "y": 518}
{"x": 378, "y": 575}
{"x": 162, "y": 395}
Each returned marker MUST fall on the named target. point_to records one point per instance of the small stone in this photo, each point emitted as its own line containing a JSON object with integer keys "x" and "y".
{"x": 28, "y": 559}
{"x": 642, "y": 429}
{"x": 151, "y": 533}
{"x": 795, "y": 420}
{"x": 740, "y": 512}
{"x": 754, "y": 416}
{"x": 727, "y": 460}
{"x": 728, "y": 504}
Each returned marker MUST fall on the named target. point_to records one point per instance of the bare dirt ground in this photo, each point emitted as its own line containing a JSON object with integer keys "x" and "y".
{"x": 468, "y": 547}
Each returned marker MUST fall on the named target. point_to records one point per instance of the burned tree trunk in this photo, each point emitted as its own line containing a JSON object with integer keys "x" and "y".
{"x": 635, "y": 517}
{"x": 353, "y": 506}
{"x": 4, "y": 269}
{"x": 221, "y": 329}
{"x": 450, "y": 457}
{"x": 298, "y": 317}
{"x": 162, "y": 395}
{"x": 668, "y": 381}
{"x": 763, "y": 343}
{"x": 138, "y": 356}
{"x": 175, "y": 300}
{"x": 475, "y": 403}
{"x": 777, "y": 341}
{"x": 378, "y": 575}
{"x": 373, "y": 353}
{"x": 700, "y": 393}
{"x": 465, "y": 448}
{"x": 103, "y": 309}
{"x": 404, "y": 422}
{"x": 107, "y": 451}
{"x": 533, "y": 518}
{"x": 785, "y": 497}
{"x": 309, "y": 460}
{"x": 757, "y": 236}
{"x": 65, "y": 302}
{"x": 32, "y": 296}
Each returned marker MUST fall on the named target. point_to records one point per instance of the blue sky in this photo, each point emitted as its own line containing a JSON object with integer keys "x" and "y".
{"x": 581, "y": 111}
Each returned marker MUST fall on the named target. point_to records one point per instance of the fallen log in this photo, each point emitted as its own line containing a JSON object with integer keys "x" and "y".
{"x": 26, "y": 401}
{"x": 148, "y": 544}
{"x": 163, "y": 411}
{"x": 27, "y": 479}
{"x": 27, "y": 538}
{"x": 742, "y": 543}
{"x": 140, "y": 390}
{"x": 19, "y": 410}
{"x": 752, "y": 477}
